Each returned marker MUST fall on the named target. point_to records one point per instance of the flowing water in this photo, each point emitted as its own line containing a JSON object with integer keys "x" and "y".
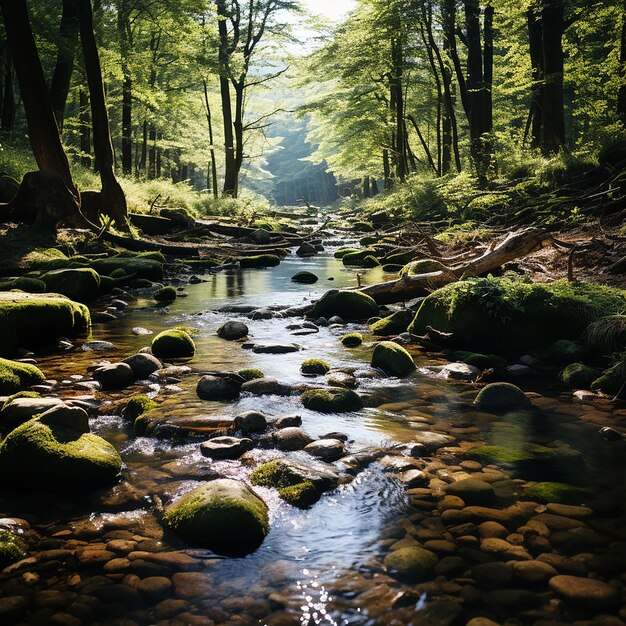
{"x": 322, "y": 565}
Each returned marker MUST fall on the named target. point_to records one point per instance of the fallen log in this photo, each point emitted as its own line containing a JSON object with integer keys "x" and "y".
{"x": 514, "y": 246}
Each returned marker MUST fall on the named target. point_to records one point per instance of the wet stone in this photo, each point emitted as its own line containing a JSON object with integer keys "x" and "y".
{"x": 289, "y": 439}
{"x": 154, "y": 587}
{"x": 586, "y": 592}
{"x": 533, "y": 572}
{"x": 472, "y": 491}
{"x": 226, "y": 447}
{"x": 325, "y": 449}
{"x": 251, "y": 422}
{"x": 288, "y": 421}
{"x": 265, "y": 387}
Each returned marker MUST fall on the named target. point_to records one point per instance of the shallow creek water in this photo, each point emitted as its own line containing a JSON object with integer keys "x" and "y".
{"x": 318, "y": 566}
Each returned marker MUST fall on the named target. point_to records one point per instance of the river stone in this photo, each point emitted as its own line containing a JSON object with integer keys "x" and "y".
{"x": 458, "y": 371}
{"x": 114, "y": 376}
{"x": 217, "y": 388}
{"x": 289, "y": 439}
{"x": 274, "y": 348}
{"x": 325, "y": 449}
{"x": 232, "y": 331}
{"x": 533, "y": 572}
{"x": 392, "y": 359}
{"x": 70, "y": 416}
{"x": 20, "y": 410}
{"x": 411, "y": 563}
{"x": 511, "y": 599}
{"x": 78, "y": 284}
{"x": 472, "y": 491}
{"x": 283, "y": 472}
{"x": 494, "y": 574}
{"x": 251, "y": 422}
{"x": 225, "y": 447}
{"x": 223, "y": 515}
{"x": 265, "y": 387}
{"x": 341, "y": 379}
{"x": 586, "y": 592}
{"x": 433, "y": 441}
{"x": 305, "y": 278}
{"x": 501, "y": 396}
{"x": 143, "y": 365}
{"x": 287, "y": 421}
{"x": 413, "y": 478}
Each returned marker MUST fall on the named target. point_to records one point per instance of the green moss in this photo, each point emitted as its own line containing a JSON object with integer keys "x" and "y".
{"x": 331, "y": 400}
{"x": 32, "y": 320}
{"x": 301, "y": 495}
{"x": 305, "y": 278}
{"x": 364, "y": 227}
{"x": 339, "y": 254}
{"x": 565, "y": 352}
{"x": 151, "y": 255}
{"x": 612, "y": 380}
{"x": 174, "y": 343}
{"x": 81, "y": 284}
{"x": 136, "y": 406}
{"x": 274, "y": 474}
{"x": 481, "y": 361}
{"x": 357, "y": 257}
{"x": 400, "y": 258}
{"x": 15, "y": 376}
{"x": 557, "y": 492}
{"x": 369, "y": 240}
{"x": 120, "y": 272}
{"x": 423, "y": 266}
{"x": 53, "y": 456}
{"x": 499, "y": 396}
{"x": 251, "y": 374}
{"x": 352, "y": 340}
{"x": 515, "y": 315}
{"x": 24, "y": 283}
{"x": 411, "y": 563}
{"x": 19, "y": 394}
{"x": 45, "y": 259}
{"x": 349, "y": 305}
{"x": 265, "y": 225}
{"x": 138, "y": 266}
{"x": 165, "y": 294}
{"x": 12, "y": 548}
{"x": 393, "y": 359}
{"x": 315, "y": 366}
{"x": 370, "y": 261}
{"x": 259, "y": 261}
{"x": 393, "y": 324}
{"x": 579, "y": 375}
{"x": 222, "y": 515}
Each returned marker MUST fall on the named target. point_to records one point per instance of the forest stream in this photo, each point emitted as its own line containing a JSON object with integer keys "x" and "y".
{"x": 106, "y": 558}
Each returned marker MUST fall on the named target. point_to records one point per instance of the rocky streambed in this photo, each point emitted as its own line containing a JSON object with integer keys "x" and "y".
{"x": 397, "y": 495}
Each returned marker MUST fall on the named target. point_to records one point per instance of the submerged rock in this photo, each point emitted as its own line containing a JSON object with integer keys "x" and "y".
{"x": 501, "y": 396}
{"x": 335, "y": 400}
{"x": 393, "y": 359}
{"x": 586, "y": 592}
{"x": 218, "y": 388}
{"x": 305, "y": 278}
{"x": 291, "y": 438}
{"x": 223, "y": 515}
{"x": 232, "y": 331}
{"x": 114, "y": 376}
{"x": 226, "y": 447}
{"x": 411, "y": 563}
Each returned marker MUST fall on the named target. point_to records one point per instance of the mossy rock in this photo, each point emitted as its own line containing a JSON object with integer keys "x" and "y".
{"x": 501, "y": 396}
{"x": 275, "y": 474}
{"x": 352, "y": 340}
{"x": 16, "y": 376}
{"x": 140, "y": 266}
{"x": 423, "y": 266}
{"x": 392, "y": 268}
{"x": 119, "y": 273}
{"x": 364, "y": 227}
{"x": 579, "y": 375}
{"x": 393, "y": 324}
{"x": 46, "y": 259}
{"x": 259, "y": 261}
{"x": 400, "y": 258}
{"x": 222, "y": 515}
{"x": 173, "y": 344}
{"x": 369, "y": 240}
{"x": 349, "y": 305}
{"x": 136, "y": 406}
{"x": 532, "y": 461}
{"x": 339, "y": 254}
{"x": 393, "y": 359}
{"x": 25, "y": 284}
{"x": 315, "y": 366}
{"x": 251, "y": 374}
{"x": 36, "y": 319}
{"x": 334, "y": 400}
{"x": 565, "y": 352}
{"x": 612, "y": 380}
{"x": 165, "y": 294}
{"x": 560, "y": 493}
{"x": 512, "y": 315}
{"x": 370, "y": 261}
{"x": 12, "y": 548}
{"x": 18, "y": 394}
{"x": 151, "y": 255}
{"x": 411, "y": 563}
{"x": 481, "y": 361}
{"x": 41, "y": 455}
{"x": 305, "y": 278}
{"x": 81, "y": 285}
{"x": 302, "y": 495}
{"x": 358, "y": 256}
{"x": 265, "y": 225}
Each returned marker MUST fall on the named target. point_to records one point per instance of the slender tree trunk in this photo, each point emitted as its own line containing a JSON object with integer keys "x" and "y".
{"x": 212, "y": 174}
{"x": 553, "y": 109}
{"x": 152, "y": 152}
{"x": 621, "y": 96}
{"x": 144, "y": 146}
{"x": 66, "y": 52}
{"x": 238, "y": 125}
{"x": 113, "y": 199}
{"x": 425, "y": 147}
{"x": 535, "y": 39}
{"x": 85, "y": 127}
{"x": 374, "y": 189}
{"x": 158, "y": 155}
{"x": 366, "y": 187}
{"x": 124, "y": 34}
{"x": 43, "y": 132}
{"x": 397, "y": 88}
{"x": 387, "y": 169}
{"x": 8, "y": 96}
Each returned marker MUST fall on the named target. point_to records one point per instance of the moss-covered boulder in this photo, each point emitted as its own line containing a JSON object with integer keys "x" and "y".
{"x": 46, "y": 453}
{"x": 173, "y": 344}
{"x": 612, "y": 380}
{"x": 34, "y": 319}
{"x": 165, "y": 294}
{"x": 223, "y": 515}
{"x": 315, "y": 366}
{"x": 259, "y": 261}
{"x": 501, "y": 396}
{"x": 334, "y": 400}
{"x": 24, "y": 283}
{"x": 423, "y": 266}
{"x": 393, "y": 324}
{"x": 411, "y": 563}
{"x": 393, "y": 359}
{"x": 305, "y": 278}
{"x": 509, "y": 314}
{"x": 357, "y": 257}
{"x": 80, "y": 284}
{"x": 339, "y": 254}
{"x": 301, "y": 495}
{"x": 12, "y": 548}
{"x": 560, "y": 493}
{"x": 251, "y": 374}
{"x": 349, "y": 305}
{"x": 579, "y": 375}
{"x": 352, "y": 340}
{"x": 139, "y": 266}
{"x": 136, "y": 406}
{"x": 479, "y": 360}
{"x": 15, "y": 376}
{"x": 564, "y": 352}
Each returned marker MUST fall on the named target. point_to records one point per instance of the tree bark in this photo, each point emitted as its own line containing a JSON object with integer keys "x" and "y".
{"x": 43, "y": 132}
{"x": 68, "y": 39}
{"x": 113, "y": 199}
{"x": 8, "y": 95}
{"x": 212, "y": 172}
{"x": 621, "y": 96}
{"x": 85, "y": 127}
{"x": 152, "y": 152}
{"x": 124, "y": 34}
{"x": 535, "y": 40}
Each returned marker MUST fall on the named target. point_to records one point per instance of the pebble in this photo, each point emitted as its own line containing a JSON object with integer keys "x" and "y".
{"x": 586, "y": 592}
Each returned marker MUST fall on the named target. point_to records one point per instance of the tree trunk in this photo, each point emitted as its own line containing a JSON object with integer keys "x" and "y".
{"x": 68, "y": 38}
{"x": 85, "y": 127}
{"x": 152, "y": 153}
{"x": 113, "y": 199}
{"x": 144, "y": 146}
{"x": 553, "y": 110}
{"x": 239, "y": 87}
{"x": 621, "y": 96}
{"x": 124, "y": 34}
{"x": 366, "y": 187}
{"x": 535, "y": 39}
{"x": 42, "y": 127}
{"x": 387, "y": 169}
{"x": 397, "y": 88}
{"x": 8, "y": 95}
{"x": 212, "y": 172}
{"x": 158, "y": 156}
